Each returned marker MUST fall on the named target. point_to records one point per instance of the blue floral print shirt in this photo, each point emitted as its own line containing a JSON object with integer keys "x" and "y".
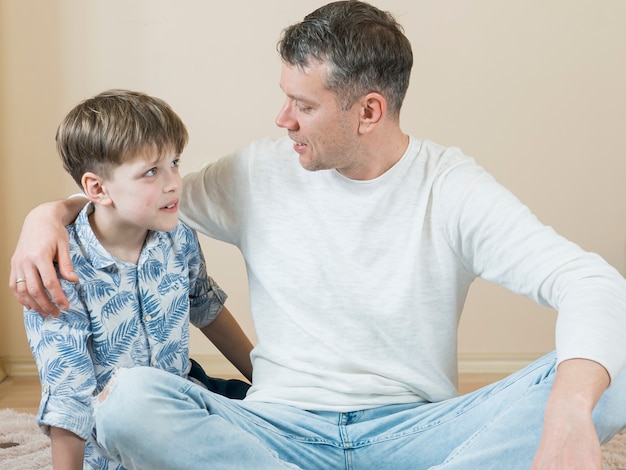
{"x": 120, "y": 315}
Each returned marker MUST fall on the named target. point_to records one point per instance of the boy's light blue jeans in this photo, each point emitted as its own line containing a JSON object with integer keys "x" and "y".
{"x": 155, "y": 420}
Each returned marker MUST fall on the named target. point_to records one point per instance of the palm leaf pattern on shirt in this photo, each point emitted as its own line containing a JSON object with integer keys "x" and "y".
{"x": 121, "y": 315}
{"x": 153, "y": 270}
{"x": 119, "y": 303}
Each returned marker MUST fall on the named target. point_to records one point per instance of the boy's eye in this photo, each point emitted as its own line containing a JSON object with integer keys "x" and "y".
{"x": 151, "y": 172}
{"x": 176, "y": 162}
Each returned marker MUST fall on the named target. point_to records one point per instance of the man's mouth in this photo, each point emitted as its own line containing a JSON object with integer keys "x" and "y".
{"x": 299, "y": 146}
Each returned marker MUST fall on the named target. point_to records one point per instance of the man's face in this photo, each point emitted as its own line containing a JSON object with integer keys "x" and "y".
{"x": 325, "y": 136}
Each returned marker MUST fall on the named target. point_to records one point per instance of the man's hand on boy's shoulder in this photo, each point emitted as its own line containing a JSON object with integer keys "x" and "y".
{"x": 33, "y": 278}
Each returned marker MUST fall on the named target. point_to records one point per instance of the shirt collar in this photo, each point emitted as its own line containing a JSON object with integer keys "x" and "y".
{"x": 94, "y": 251}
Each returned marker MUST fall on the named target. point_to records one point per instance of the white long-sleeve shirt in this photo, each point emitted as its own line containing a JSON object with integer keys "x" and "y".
{"x": 357, "y": 287}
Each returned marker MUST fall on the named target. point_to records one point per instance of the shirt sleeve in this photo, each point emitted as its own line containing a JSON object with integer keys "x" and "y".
{"x": 214, "y": 197}
{"x": 59, "y": 346}
{"x": 499, "y": 239}
{"x": 206, "y": 298}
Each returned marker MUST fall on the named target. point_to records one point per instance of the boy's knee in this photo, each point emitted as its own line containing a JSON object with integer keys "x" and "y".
{"x": 132, "y": 377}
{"x": 124, "y": 391}
{"x": 118, "y": 375}
{"x": 102, "y": 396}
{"x": 120, "y": 405}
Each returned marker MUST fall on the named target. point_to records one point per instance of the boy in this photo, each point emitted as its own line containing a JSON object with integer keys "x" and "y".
{"x": 142, "y": 274}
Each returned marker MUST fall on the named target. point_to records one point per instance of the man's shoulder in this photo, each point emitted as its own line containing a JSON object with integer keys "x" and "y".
{"x": 272, "y": 143}
{"x": 437, "y": 160}
{"x": 268, "y": 151}
{"x": 442, "y": 153}
{"x": 267, "y": 148}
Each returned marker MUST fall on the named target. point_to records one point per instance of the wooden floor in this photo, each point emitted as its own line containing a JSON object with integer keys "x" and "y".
{"x": 20, "y": 393}
{"x": 23, "y": 393}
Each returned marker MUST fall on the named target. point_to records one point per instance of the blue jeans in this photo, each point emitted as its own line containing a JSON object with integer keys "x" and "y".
{"x": 151, "y": 419}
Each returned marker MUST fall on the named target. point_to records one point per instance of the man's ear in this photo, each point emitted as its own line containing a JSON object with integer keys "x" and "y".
{"x": 373, "y": 108}
{"x": 96, "y": 192}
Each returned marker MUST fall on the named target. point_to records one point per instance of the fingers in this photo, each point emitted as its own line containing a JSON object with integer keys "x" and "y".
{"x": 64, "y": 260}
{"x": 53, "y": 289}
{"x": 18, "y": 287}
{"x": 33, "y": 261}
{"x": 38, "y": 288}
{"x": 32, "y": 294}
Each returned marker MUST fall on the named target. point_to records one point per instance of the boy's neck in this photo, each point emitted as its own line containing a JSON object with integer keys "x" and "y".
{"x": 118, "y": 239}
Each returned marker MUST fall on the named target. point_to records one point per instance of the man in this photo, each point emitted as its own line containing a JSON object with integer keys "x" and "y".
{"x": 361, "y": 243}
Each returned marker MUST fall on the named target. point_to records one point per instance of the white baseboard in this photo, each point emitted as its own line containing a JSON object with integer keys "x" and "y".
{"x": 217, "y": 365}
{"x": 506, "y": 364}
{"x": 19, "y": 366}
{"x": 25, "y": 366}
{"x": 469, "y": 363}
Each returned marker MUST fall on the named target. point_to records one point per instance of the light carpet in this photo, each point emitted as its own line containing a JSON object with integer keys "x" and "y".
{"x": 33, "y": 449}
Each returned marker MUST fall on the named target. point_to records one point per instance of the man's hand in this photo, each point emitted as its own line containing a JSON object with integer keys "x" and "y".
{"x": 44, "y": 239}
{"x": 569, "y": 440}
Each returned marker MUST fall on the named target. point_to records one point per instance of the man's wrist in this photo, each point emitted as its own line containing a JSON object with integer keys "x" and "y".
{"x": 580, "y": 382}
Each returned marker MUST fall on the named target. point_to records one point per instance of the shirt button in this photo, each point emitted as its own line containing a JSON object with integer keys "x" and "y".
{"x": 148, "y": 317}
{"x": 154, "y": 362}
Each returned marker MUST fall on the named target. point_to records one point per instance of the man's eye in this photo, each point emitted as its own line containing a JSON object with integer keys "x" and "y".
{"x": 303, "y": 108}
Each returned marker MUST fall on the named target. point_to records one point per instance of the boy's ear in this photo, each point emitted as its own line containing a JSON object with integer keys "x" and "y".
{"x": 96, "y": 192}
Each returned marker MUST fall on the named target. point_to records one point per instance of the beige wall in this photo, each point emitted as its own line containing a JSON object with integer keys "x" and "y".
{"x": 534, "y": 90}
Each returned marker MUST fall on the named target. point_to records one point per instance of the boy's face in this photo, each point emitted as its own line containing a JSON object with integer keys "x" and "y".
{"x": 145, "y": 191}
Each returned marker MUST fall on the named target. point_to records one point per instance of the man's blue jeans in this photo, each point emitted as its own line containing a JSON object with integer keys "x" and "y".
{"x": 151, "y": 419}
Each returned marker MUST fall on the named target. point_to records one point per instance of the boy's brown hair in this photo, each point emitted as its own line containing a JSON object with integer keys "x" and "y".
{"x": 115, "y": 126}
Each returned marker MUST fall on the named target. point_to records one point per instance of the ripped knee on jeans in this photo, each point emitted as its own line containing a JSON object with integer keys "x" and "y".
{"x": 102, "y": 396}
